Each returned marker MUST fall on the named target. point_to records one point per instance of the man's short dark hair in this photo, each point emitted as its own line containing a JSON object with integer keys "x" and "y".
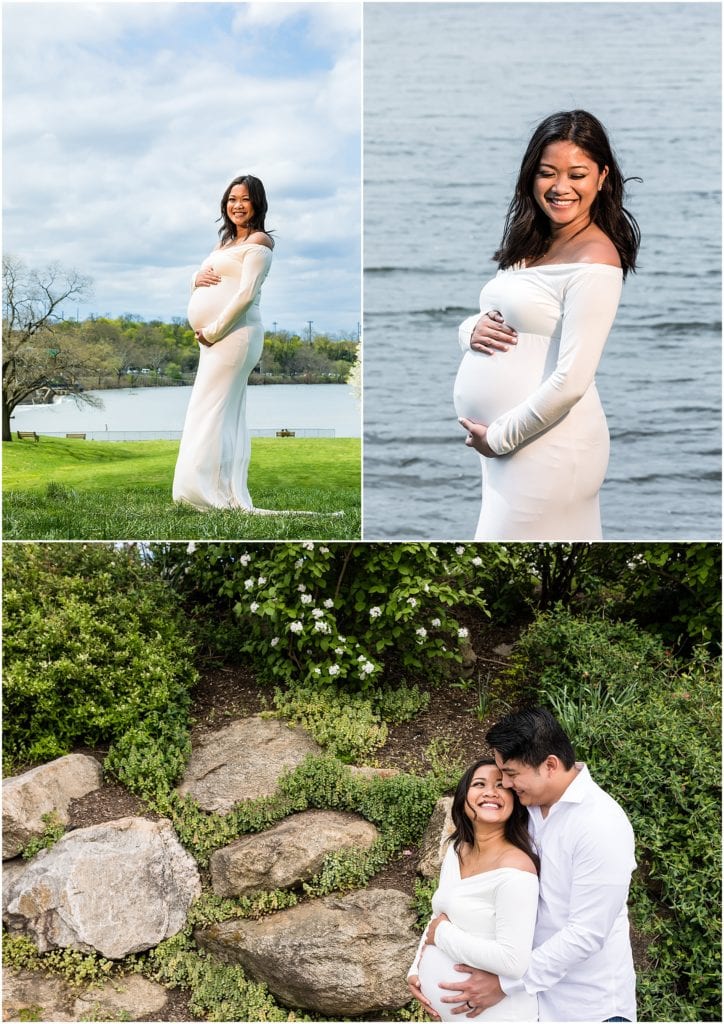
{"x": 530, "y": 736}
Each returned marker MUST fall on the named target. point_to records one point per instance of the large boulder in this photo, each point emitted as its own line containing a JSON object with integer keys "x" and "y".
{"x": 32, "y": 995}
{"x": 290, "y": 853}
{"x": 115, "y": 888}
{"x": 44, "y": 790}
{"x": 243, "y": 761}
{"x": 434, "y": 841}
{"x": 12, "y": 870}
{"x": 340, "y": 955}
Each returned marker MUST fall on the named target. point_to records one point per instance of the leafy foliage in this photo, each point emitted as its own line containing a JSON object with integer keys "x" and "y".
{"x": 93, "y": 646}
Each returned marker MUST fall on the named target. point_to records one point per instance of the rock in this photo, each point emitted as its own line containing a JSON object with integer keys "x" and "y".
{"x": 129, "y": 998}
{"x": 503, "y": 650}
{"x": 433, "y": 845}
{"x": 32, "y": 995}
{"x": 44, "y": 790}
{"x": 374, "y": 773}
{"x": 12, "y": 869}
{"x": 290, "y": 853}
{"x": 243, "y": 761}
{"x": 469, "y": 657}
{"x": 117, "y": 888}
{"x": 340, "y": 955}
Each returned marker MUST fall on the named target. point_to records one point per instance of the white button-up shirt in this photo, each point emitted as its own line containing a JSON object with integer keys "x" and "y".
{"x": 581, "y": 966}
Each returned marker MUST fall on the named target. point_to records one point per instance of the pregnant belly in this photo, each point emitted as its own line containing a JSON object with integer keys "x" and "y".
{"x": 206, "y": 303}
{"x": 488, "y": 386}
{"x": 436, "y": 966}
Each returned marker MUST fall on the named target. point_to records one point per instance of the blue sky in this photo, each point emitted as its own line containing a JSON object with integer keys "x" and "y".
{"x": 124, "y": 122}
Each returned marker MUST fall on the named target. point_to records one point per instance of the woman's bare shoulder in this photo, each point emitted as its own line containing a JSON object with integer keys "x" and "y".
{"x": 516, "y": 858}
{"x": 261, "y": 238}
{"x": 599, "y": 249}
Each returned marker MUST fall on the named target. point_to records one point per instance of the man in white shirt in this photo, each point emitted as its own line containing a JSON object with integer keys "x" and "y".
{"x": 581, "y": 967}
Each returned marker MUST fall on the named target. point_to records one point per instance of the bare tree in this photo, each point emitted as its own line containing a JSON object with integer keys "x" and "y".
{"x": 34, "y": 355}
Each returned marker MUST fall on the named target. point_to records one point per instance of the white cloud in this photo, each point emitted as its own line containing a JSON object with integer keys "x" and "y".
{"x": 125, "y": 122}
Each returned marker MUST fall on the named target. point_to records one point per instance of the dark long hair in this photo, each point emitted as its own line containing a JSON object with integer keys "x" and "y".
{"x": 516, "y": 826}
{"x": 257, "y": 195}
{"x": 527, "y": 232}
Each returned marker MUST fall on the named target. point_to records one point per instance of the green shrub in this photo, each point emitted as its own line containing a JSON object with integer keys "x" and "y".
{"x": 53, "y": 830}
{"x": 93, "y": 645}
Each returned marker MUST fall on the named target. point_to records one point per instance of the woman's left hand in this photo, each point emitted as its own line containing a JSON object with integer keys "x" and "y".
{"x": 477, "y": 437}
{"x": 201, "y": 339}
{"x": 432, "y": 928}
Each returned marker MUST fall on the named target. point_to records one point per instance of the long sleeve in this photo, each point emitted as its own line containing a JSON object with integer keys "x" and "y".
{"x": 415, "y": 969}
{"x": 516, "y": 904}
{"x": 255, "y": 267}
{"x": 589, "y": 307}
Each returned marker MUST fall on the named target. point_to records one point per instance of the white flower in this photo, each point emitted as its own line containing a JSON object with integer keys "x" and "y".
{"x": 477, "y": 560}
{"x": 375, "y": 612}
{"x": 362, "y": 657}
{"x": 191, "y": 548}
{"x": 317, "y": 671}
{"x": 261, "y": 581}
{"x": 253, "y": 606}
{"x": 339, "y": 650}
{"x": 463, "y": 632}
{"x": 334, "y": 670}
{"x": 274, "y": 641}
{"x": 299, "y": 563}
{"x": 325, "y": 551}
{"x": 308, "y": 545}
{"x": 422, "y": 632}
{"x": 321, "y": 626}
{"x": 436, "y": 623}
{"x": 426, "y": 588}
{"x": 301, "y": 588}
{"x": 296, "y": 626}
{"x": 459, "y": 550}
{"x": 245, "y": 558}
{"x": 249, "y": 583}
{"x": 317, "y": 613}
{"x": 342, "y": 639}
{"x": 329, "y": 603}
{"x": 367, "y": 668}
{"x": 412, "y": 602}
{"x": 306, "y": 598}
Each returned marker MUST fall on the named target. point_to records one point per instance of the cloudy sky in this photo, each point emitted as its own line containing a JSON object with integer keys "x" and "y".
{"x": 124, "y": 122}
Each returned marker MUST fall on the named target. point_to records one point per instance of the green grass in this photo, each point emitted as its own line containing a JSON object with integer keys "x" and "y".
{"x": 67, "y": 489}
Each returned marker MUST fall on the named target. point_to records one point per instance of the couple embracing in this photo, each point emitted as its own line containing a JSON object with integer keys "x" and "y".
{"x": 530, "y": 920}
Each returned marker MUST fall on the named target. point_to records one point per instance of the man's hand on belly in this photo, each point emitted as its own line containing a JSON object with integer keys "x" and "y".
{"x": 479, "y": 992}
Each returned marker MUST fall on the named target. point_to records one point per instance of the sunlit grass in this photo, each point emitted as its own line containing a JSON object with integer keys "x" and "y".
{"x": 63, "y": 489}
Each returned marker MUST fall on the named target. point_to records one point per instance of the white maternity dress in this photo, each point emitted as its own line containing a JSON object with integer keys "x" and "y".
{"x": 213, "y": 459}
{"x": 539, "y": 401}
{"x": 492, "y": 919}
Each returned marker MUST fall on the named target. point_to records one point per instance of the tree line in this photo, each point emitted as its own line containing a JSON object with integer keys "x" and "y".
{"x": 45, "y": 354}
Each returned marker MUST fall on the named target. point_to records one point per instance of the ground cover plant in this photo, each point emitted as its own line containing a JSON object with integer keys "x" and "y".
{"x": 70, "y": 489}
{"x": 638, "y": 695}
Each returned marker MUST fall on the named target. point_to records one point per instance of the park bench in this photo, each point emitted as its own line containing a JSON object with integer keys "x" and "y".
{"x": 25, "y": 434}
{"x": 80, "y": 437}
{"x": 286, "y": 433}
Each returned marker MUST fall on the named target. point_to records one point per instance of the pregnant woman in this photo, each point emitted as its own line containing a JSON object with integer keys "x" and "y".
{"x": 525, "y": 390}
{"x": 213, "y": 459}
{"x": 485, "y": 905}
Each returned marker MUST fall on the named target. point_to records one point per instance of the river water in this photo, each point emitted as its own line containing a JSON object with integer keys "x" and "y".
{"x": 452, "y": 93}
{"x": 159, "y": 412}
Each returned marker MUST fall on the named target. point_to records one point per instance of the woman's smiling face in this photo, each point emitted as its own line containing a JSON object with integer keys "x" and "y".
{"x": 239, "y": 206}
{"x": 487, "y": 799}
{"x": 566, "y": 184}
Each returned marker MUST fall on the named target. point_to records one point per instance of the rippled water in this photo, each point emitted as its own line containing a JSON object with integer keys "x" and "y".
{"x": 452, "y": 92}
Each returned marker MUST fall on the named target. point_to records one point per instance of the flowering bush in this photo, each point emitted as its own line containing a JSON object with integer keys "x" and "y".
{"x": 360, "y": 616}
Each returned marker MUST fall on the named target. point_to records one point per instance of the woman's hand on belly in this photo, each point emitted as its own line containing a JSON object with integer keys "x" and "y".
{"x": 413, "y": 983}
{"x": 207, "y": 277}
{"x": 491, "y": 334}
{"x": 477, "y": 437}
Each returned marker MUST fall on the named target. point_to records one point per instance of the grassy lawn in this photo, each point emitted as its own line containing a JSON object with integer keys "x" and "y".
{"x": 68, "y": 489}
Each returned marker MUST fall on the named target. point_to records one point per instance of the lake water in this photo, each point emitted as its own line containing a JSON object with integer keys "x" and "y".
{"x": 452, "y": 93}
{"x": 159, "y": 412}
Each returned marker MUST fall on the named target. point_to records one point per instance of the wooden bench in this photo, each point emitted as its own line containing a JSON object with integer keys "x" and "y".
{"x": 81, "y": 437}
{"x": 286, "y": 433}
{"x": 25, "y": 434}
